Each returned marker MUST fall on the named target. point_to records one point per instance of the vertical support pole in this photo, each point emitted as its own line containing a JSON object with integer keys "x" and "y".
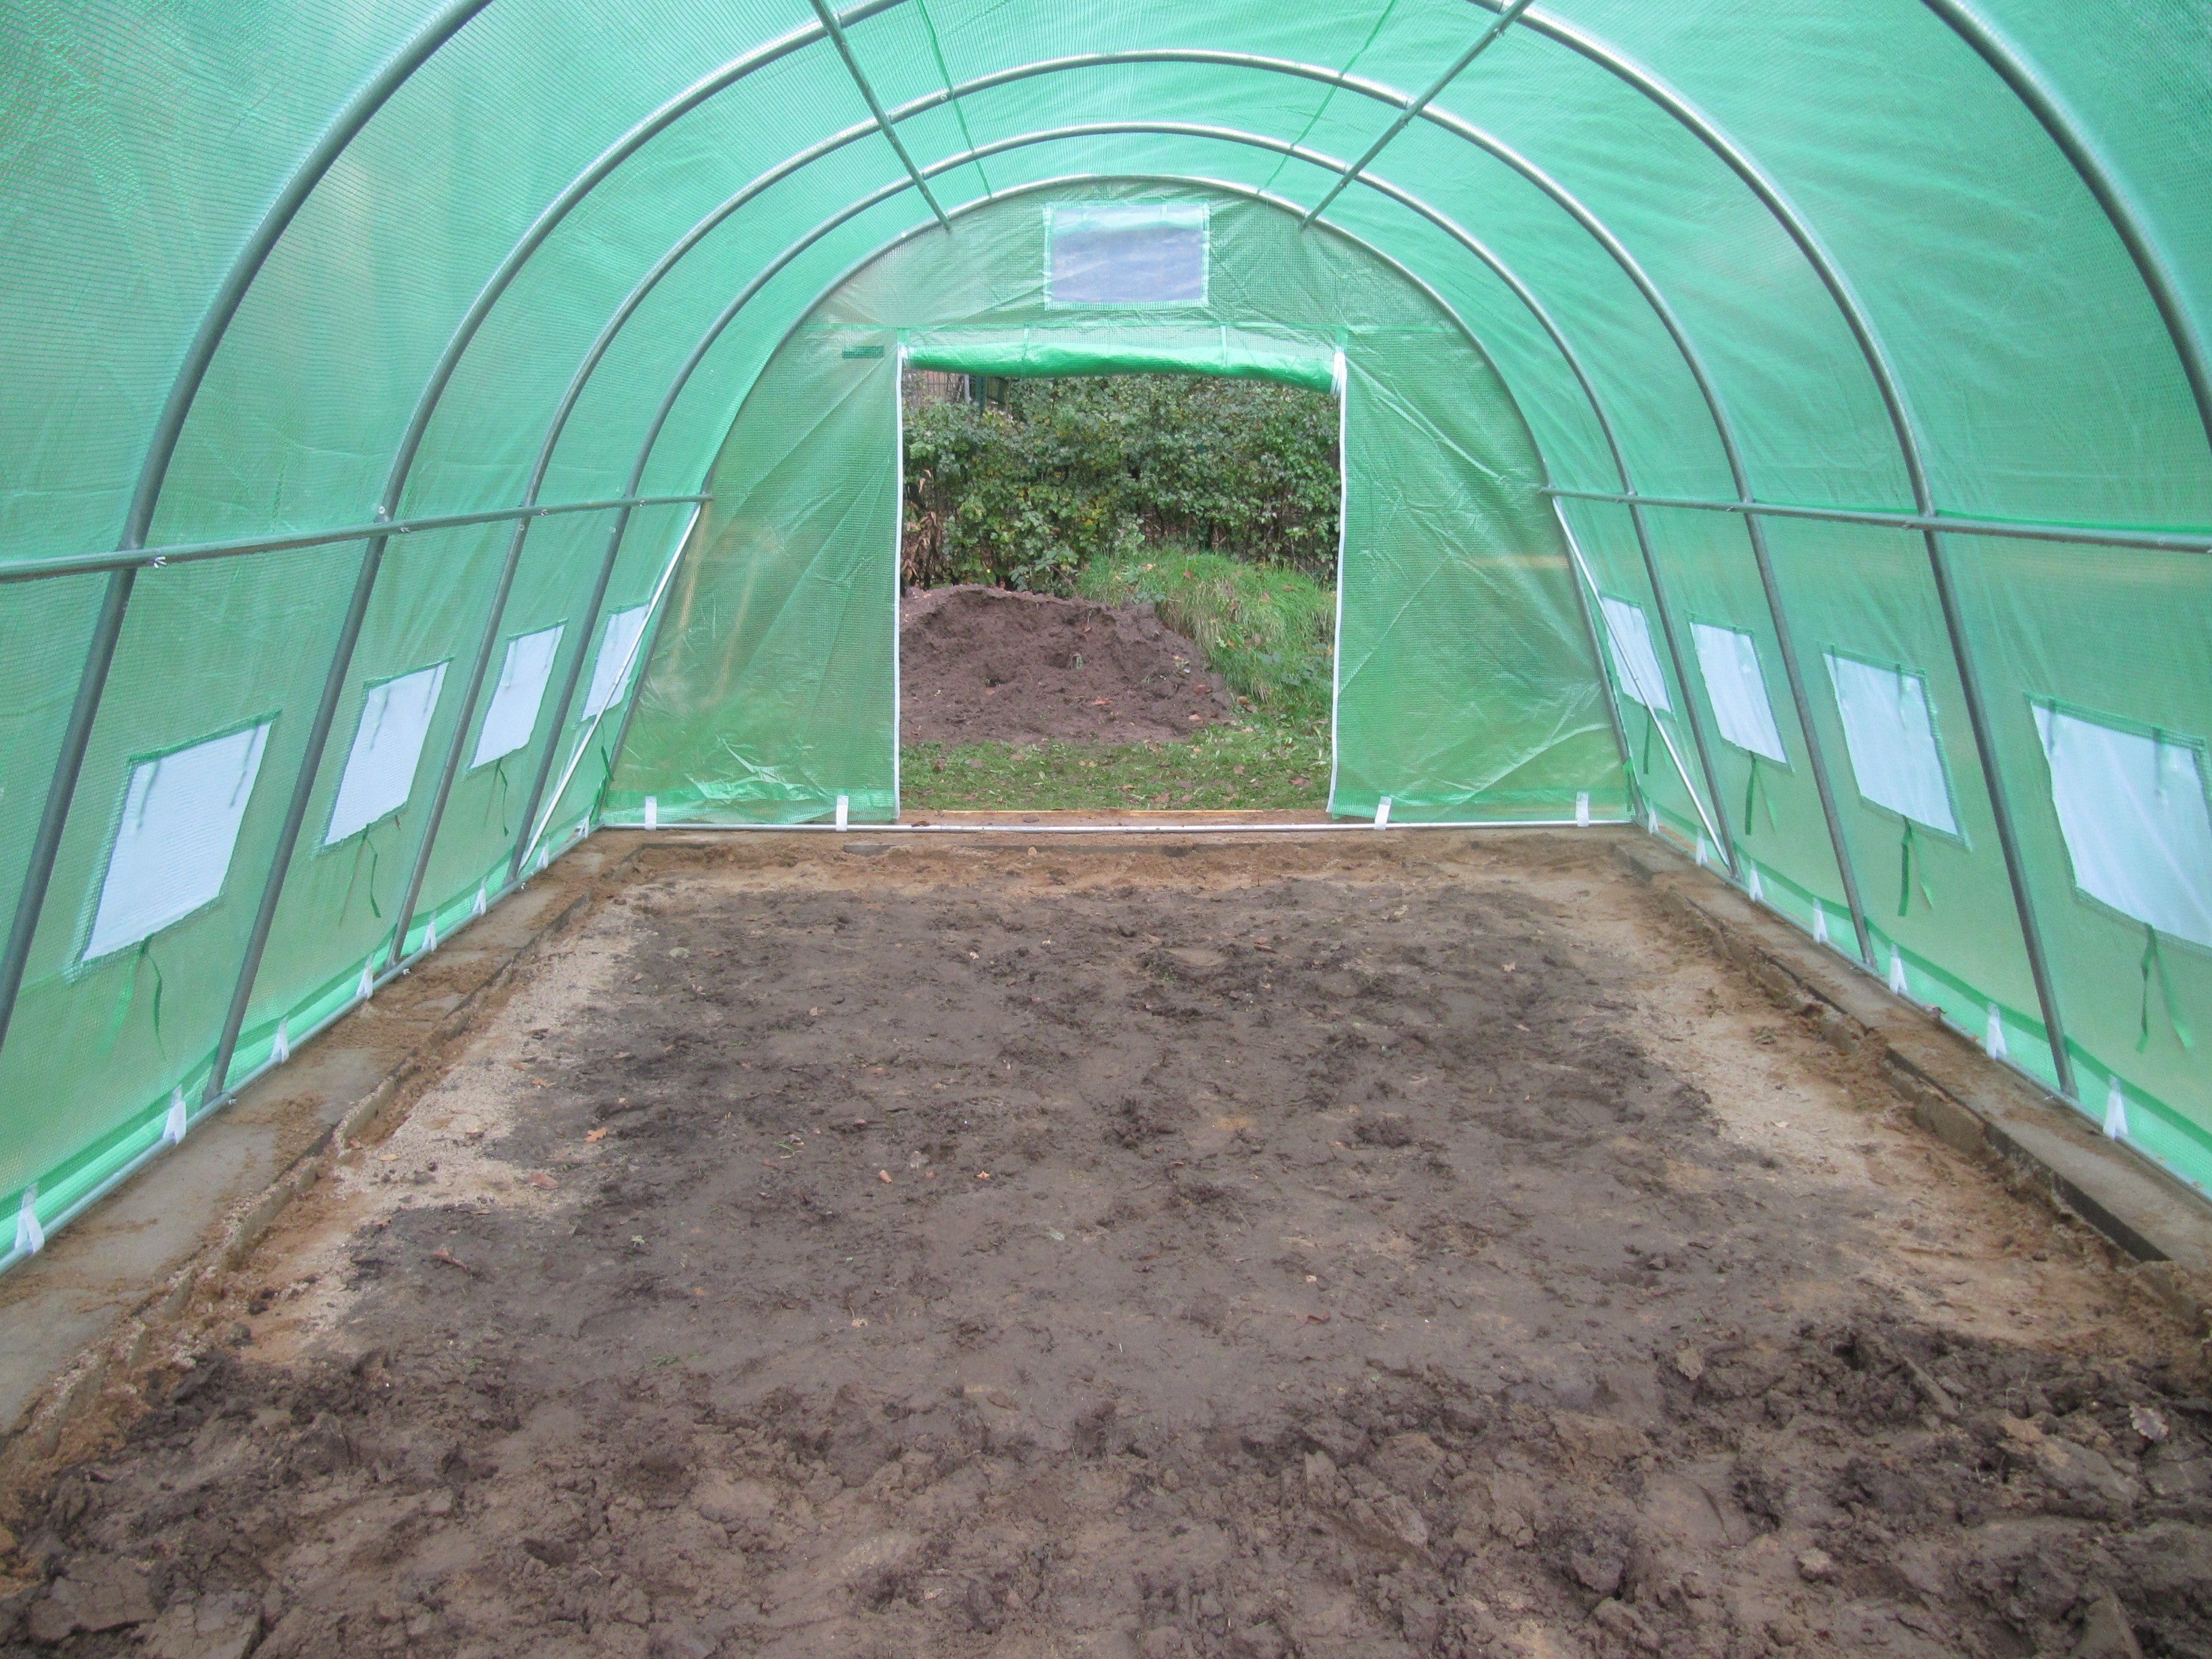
{"x": 570, "y": 681}
{"x": 295, "y": 815}
{"x": 1986, "y": 751}
{"x": 1816, "y": 757}
{"x": 466, "y": 720}
{"x": 1590, "y": 626}
{"x": 76, "y": 737}
{"x": 1690, "y": 709}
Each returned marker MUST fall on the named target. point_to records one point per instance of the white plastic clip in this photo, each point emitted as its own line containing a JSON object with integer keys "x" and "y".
{"x": 2116, "y": 1109}
{"x": 367, "y": 988}
{"x": 1897, "y": 980}
{"x": 178, "y": 1122}
{"x": 1651, "y": 818}
{"x": 1758, "y": 893}
{"x": 653, "y": 812}
{"x": 1993, "y": 1039}
{"x": 430, "y": 934}
{"x": 480, "y": 906}
{"x": 844, "y": 809}
{"x": 280, "y": 1046}
{"x": 30, "y": 1237}
{"x": 1582, "y": 811}
{"x": 1383, "y": 813}
{"x": 1819, "y": 922}
{"x": 1701, "y": 852}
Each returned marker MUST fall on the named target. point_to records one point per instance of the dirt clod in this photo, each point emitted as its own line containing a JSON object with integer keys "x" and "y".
{"x": 980, "y": 665}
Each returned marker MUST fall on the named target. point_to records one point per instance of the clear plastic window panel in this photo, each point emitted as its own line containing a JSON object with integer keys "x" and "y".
{"x": 1729, "y": 659}
{"x": 172, "y": 844}
{"x": 1891, "y": 735}
{"x": 1125, "y": 253}
{"x": 513, "y": 715}
{"x": 2133, "y": 811}
{"x": 610, "y": 675}
{"x": 388, "y": 746}
{"x": 1632, "y": 656}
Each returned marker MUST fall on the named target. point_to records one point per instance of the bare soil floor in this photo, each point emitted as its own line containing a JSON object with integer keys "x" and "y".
{"x": 1390, "y": 1247}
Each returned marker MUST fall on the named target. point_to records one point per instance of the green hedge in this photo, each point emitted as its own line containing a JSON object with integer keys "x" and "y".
{"x": 1020, "y": 493}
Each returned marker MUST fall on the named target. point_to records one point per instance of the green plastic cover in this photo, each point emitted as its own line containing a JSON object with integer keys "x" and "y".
{"x": 1932, "y": 259}
{"x": 1467, "y": 687}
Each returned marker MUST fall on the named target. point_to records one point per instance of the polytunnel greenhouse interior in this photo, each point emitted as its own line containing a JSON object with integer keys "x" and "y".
{"x": 436, "y": 433}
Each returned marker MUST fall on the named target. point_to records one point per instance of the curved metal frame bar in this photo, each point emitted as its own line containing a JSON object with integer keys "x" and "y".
{"x": 2128, "y": 219}
{"x": 1799, "y": 228}
{"x": 1242, "y": 190}
{"x": 1183, "y": 130}
{"x": 154, "y": 470}
{"x": 403, "y": 463}
{"x": 2130, "y": 222}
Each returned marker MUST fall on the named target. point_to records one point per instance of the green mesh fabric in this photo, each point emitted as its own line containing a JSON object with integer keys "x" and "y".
{"x": 1944, "y": 257}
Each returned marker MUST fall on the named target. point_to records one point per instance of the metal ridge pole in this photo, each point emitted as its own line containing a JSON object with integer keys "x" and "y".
{"x": 836, "y": 33}
{"x": 154, "y": 470}
{"x": 1405, "y": 116}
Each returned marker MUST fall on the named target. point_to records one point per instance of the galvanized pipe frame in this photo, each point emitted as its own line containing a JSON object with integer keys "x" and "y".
{"x": 2053, "y": 116}
{"x": 2150, "y": 541}
{"x": 161, "y": 557}
{"x": 2129, "y": 223}
{"x": 541, "y": 228}
{"x": 1231, "y": 135}
{"x": 1798, "y": 227}
{"x": 1482, "y": 44}
{"x": 876, "y": 107}
{"x": 154, "y": 471}
{"x": 952, "y": 95}
{"x": 356, "y": 114}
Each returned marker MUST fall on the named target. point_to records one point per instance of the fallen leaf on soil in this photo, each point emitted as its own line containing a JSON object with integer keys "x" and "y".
{"x": 596, "y": 1135}
{"x": 539, "y": 1178}
{"x": 983, "y": 1175}
{"x": 451, "y": 1260}
{"x": 1690, "y": 1363}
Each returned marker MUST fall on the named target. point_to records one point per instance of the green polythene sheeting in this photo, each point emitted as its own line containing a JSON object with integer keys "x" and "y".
{"x": 1468, "y": 679}
{"x": 1892, "y": 317}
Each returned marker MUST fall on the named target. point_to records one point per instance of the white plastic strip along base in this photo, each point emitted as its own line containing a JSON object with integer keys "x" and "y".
{"x": 1331, "y": 826}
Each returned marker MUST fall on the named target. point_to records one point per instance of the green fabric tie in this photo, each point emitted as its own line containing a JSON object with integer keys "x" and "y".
{"x": 1651, "y": 725}
{"x": 131, "y": 994}
{"x": 1905, "y": 881}
{"x": 2152, "y": 959}
{"x": 1752, "y": 794}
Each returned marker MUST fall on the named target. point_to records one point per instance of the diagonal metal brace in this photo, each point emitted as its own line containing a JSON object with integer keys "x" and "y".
{"x": 1412, "y": 112}
{"x": 875, "y": 105}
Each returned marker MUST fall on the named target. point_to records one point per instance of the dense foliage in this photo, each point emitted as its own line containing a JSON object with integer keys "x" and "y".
{"x": 1020, "y": 494}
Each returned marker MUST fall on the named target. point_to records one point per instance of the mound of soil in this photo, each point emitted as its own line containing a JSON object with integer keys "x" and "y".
{"x": 980, "y": 665}
{"x": 1176, "y": 1255}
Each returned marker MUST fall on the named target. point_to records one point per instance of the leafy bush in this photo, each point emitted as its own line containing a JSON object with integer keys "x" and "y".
{"x": 1022, "y": 494}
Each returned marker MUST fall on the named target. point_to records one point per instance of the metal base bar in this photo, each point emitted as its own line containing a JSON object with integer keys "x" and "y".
{"x": 1330, "y": 826}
